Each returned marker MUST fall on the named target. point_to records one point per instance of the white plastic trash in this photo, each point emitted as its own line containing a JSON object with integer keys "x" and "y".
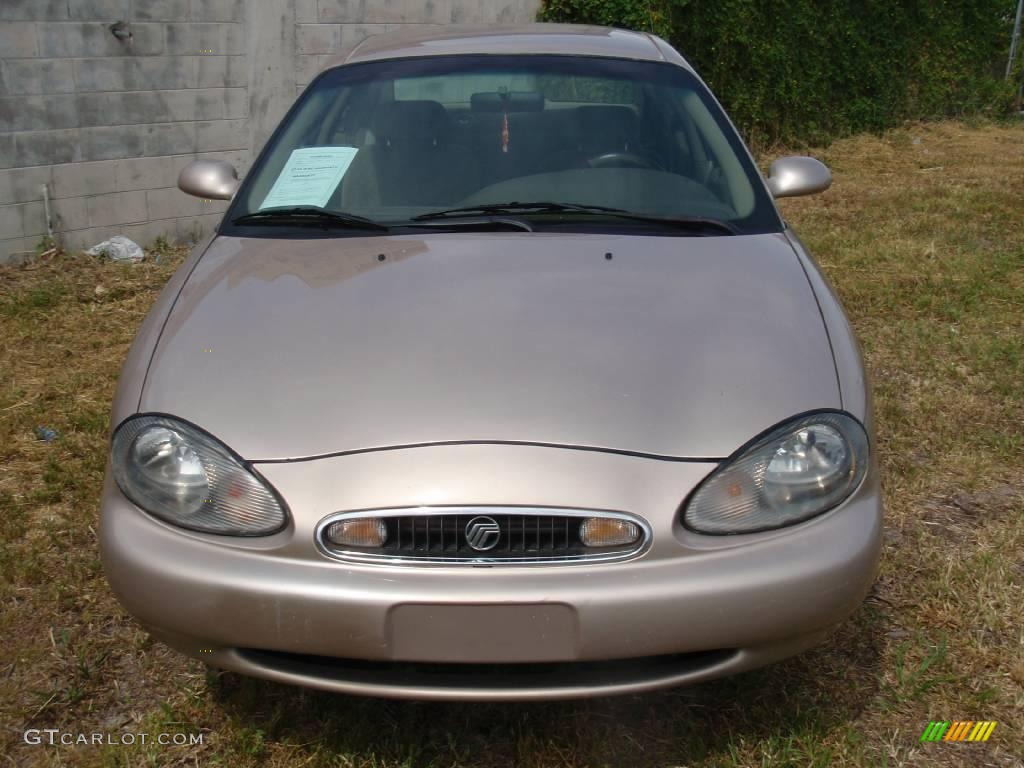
{"x": 118, "y": 248}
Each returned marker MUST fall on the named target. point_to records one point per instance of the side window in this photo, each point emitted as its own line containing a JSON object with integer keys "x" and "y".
{"x": 714, "y": 178}
{"x": 684, "y": 156}
{"x": 718, "y": 167}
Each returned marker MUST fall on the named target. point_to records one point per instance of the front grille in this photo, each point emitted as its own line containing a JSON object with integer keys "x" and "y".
{"x": 442, "y": 536}
{"x": 519, "y": 535}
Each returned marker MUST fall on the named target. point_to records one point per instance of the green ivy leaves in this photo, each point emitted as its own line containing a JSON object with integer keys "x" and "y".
{"x": 810, "y": 70}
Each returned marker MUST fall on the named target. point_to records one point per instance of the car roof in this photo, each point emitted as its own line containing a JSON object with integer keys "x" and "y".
{"x": 565, "y": 39}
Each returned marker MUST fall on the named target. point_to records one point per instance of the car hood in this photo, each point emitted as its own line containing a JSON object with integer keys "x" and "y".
{"x": 670, "y": 346}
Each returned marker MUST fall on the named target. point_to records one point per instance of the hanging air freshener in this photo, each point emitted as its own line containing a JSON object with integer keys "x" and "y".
{"x": 505, "y": 135}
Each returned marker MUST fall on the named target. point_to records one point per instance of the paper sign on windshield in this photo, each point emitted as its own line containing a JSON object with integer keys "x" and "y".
{"x": 310, "y": 177}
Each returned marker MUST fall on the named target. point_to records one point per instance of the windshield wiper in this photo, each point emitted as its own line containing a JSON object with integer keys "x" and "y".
{"x": 500, "y": 208}
{"x": 688, "y": 223}
{"x": 310, "y": 217}
{"x": 472, "y": 223}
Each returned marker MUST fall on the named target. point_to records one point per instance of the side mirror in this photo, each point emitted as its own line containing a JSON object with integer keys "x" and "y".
{"x": 212, "y": 179}
{"x": 795, "y": 176}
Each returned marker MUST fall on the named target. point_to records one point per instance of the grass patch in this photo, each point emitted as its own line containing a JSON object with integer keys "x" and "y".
{"x": 36, "y": 299}
{"x": 920, "y": 236}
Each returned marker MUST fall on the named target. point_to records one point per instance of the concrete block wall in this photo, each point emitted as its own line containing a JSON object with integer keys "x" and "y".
{"x": 105, "y": 125}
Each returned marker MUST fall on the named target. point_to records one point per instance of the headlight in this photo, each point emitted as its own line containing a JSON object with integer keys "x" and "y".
{"x": 803, "y": 468}
{"x": 185, "y": 477}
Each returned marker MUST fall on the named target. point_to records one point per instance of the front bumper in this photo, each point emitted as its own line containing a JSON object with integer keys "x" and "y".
{"x": 690, "y": 608}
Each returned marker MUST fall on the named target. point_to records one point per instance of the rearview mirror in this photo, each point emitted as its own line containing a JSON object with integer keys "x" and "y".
{"x": 797, "y": 175}
{"x": 210, "y": 179}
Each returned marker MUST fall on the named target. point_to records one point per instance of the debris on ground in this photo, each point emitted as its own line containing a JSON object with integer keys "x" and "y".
{"x": 118, "y": 248}
{"x": 46, "y": 434}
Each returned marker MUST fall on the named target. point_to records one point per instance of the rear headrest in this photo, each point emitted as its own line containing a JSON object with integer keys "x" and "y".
{"x": 607, "y": 126}
{"x": 513, "y": 101}
{"x": 411, "y": 123}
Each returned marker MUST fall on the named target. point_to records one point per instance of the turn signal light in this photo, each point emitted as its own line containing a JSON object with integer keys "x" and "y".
{"x": 364, "y": 532}
{"x": 608, "y": 532}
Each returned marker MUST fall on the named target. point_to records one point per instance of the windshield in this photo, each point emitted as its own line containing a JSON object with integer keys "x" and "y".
{"x": 394, "y": 142}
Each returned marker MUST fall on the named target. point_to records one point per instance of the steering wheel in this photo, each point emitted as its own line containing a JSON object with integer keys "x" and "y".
{"x": 622, "y": 160}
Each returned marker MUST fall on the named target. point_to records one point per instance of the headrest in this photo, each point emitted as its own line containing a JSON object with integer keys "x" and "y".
{"x": 513, "y": 101}
{"x": 414, "y": 123}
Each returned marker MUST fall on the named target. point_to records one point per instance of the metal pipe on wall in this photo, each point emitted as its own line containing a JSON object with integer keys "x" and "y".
{"x": 1015, "y": 40}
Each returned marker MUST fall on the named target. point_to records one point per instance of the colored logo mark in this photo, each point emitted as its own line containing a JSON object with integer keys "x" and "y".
{"x": 959, "y": 730}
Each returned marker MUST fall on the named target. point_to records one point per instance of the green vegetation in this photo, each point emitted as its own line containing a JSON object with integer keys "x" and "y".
{"x": 810, "y": 70}
{"x": 920, "y": 236}
{"x": 646, "y": 15}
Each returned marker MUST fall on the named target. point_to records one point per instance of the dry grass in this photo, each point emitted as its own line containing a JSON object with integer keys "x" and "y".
{"x": 922, "y": 237}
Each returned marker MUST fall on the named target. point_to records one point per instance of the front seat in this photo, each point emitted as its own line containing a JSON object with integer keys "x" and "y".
{"x": 414, "y": 163}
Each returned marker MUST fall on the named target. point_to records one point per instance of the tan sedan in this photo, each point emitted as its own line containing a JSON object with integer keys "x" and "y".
{"x": 502, "y": 378}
